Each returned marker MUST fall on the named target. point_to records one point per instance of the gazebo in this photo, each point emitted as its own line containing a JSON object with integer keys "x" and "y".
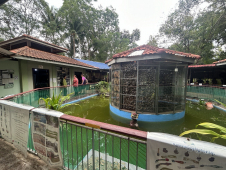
{"x": 151, "y": 82}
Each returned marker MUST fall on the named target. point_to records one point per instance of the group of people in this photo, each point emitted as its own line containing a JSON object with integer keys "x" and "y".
{"x": 75, "y": 84}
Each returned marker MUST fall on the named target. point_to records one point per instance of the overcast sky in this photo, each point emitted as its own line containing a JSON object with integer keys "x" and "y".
{"x": 146, "y": 15}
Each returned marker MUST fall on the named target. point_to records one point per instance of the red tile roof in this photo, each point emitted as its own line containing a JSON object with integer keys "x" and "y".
{"x": 205, "y": 65}
{"x": 25, "y": 35}
{"x": 154, "y": 50}
{"x": 38, "y": 54}
{"x": 108, "y": 60}
{"x": 220, "y": 61}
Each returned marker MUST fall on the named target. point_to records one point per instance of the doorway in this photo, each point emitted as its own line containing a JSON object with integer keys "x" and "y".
{"x": 40, "y": 78}
{"x": 78, "y": 75}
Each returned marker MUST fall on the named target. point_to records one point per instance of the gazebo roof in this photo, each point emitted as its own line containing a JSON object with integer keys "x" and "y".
{"x": 146, "y": 50}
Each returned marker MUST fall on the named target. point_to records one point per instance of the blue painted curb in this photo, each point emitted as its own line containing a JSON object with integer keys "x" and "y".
{"x": 148, "y": 117}
{"x": 78, "y": 100}
{"x": 196, "y": 101}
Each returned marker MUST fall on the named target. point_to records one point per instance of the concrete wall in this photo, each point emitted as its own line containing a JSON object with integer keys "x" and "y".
{"x": 10, "y": 65}
{"x": 24, "y": 77}
{"x": 27, "y": 77}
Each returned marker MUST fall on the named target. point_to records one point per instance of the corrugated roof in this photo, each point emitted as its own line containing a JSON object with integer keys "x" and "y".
{"x": 205, "y": 65}
{"x": 38, "y": 54}
{"x": 147, "y": 49}
{"x": 95, "y": 64}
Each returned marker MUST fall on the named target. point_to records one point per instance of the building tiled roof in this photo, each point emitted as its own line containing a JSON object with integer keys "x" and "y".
{"x": 38, "y": 54}
{"x": 220, "y": 61}
{"x": 147, "y": 49}
{"x": 205, "y": 65}
{"x": 95, "y": 64}
{"x": 25, "y": 35}
{"x": 108, "y": 60}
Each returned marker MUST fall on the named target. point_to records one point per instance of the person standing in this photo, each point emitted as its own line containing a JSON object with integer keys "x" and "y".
{"x": 75, "y": 85}
{"x": 84, "y": 81}
{"x": 65, "y": 85}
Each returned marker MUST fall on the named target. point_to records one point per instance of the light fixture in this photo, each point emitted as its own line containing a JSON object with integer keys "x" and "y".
{"x": 176, "y": 69}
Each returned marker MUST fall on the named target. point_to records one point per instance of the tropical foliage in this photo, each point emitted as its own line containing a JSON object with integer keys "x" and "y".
{"x": 102, "y": 88}
{"x": 57, "y": 102}
{"x": 197, "y": 26}
{"x": 220, "y": 134}
{"x": 88, "y": 32}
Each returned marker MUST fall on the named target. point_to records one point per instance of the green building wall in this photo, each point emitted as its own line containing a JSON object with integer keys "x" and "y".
{"x": 24, "y": 76}
{"x": 10, "y": 65}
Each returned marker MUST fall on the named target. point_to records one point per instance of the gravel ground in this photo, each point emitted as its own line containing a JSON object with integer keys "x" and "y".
{"x": 12, "y": 159}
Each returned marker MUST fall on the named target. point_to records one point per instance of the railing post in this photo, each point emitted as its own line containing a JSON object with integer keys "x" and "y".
{"x": 93, "y": 146}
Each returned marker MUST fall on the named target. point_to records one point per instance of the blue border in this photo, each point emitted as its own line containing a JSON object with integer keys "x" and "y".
{"x": 148, "y": 117}
{"x": 78, "y": 100}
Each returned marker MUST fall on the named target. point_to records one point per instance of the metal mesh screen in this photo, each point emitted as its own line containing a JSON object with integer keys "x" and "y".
{"x": 166, "y": 89}
{"x": 159, "y": 87}
{"x": 115, "y": 85}
{"x": 147, "y": 88}
{"x": 128, "y": 85}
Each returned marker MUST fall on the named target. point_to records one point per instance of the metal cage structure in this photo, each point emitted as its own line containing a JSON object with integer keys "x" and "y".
{"x": 149, "y": 86}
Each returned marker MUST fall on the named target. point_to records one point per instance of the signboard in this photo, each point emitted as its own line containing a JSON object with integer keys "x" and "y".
{"x": 46, "y": 135}
{"x": 14, "y": 125}
{"x": 20, "y": 126}
{"x": 165, "y": 151}
{"x": 5, "y": 121}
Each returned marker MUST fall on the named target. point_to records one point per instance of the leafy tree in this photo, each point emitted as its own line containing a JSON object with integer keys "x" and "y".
{"x": 96, "y": 34}
{"x": 52, "y": 25}
{"x": 180, "y": 25}
{"x": 200, "y": 33}
{"x": 153, "y": 41}
{"x": 19, "y": 17}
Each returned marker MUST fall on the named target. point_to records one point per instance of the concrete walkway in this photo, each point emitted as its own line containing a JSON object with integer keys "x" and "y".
{"x": 12, "y": 159}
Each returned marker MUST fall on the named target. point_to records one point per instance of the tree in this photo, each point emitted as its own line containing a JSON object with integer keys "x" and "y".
{"x": 180, "y": 25}
{"x": 52, "y": 25}
{"x": 19, "y": 17}
{"x": 153, "y": 41}
{"x": 98, "y": 36}
{"x": 200, "y": 33}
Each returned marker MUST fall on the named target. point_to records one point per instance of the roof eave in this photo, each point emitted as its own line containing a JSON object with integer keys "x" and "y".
{"x": 153, "y": 56}
{"x": 20, "y": 57}
{"x": 61, "y": 49}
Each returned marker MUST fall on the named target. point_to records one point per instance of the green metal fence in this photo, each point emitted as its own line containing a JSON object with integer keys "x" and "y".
{"x": 84, "y": 147}
{"x": 207, "y": 92}
{"x": 32, "y": 97}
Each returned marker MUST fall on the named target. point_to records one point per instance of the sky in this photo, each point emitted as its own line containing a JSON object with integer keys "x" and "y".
{"x": 146, "y": 15}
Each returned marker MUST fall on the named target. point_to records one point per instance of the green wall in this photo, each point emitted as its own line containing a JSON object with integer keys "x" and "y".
{"x": 27, "y": 77}
{"x": 10, "y": 65}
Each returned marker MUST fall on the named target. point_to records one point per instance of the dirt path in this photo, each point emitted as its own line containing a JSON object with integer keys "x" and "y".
{"x": 12, "y": 159}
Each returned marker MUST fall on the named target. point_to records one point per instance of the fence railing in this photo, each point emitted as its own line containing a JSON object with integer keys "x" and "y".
{"x": 88, "y": 144}
{"x": 32, "y": 97}
{"x": 207, "y": 92}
